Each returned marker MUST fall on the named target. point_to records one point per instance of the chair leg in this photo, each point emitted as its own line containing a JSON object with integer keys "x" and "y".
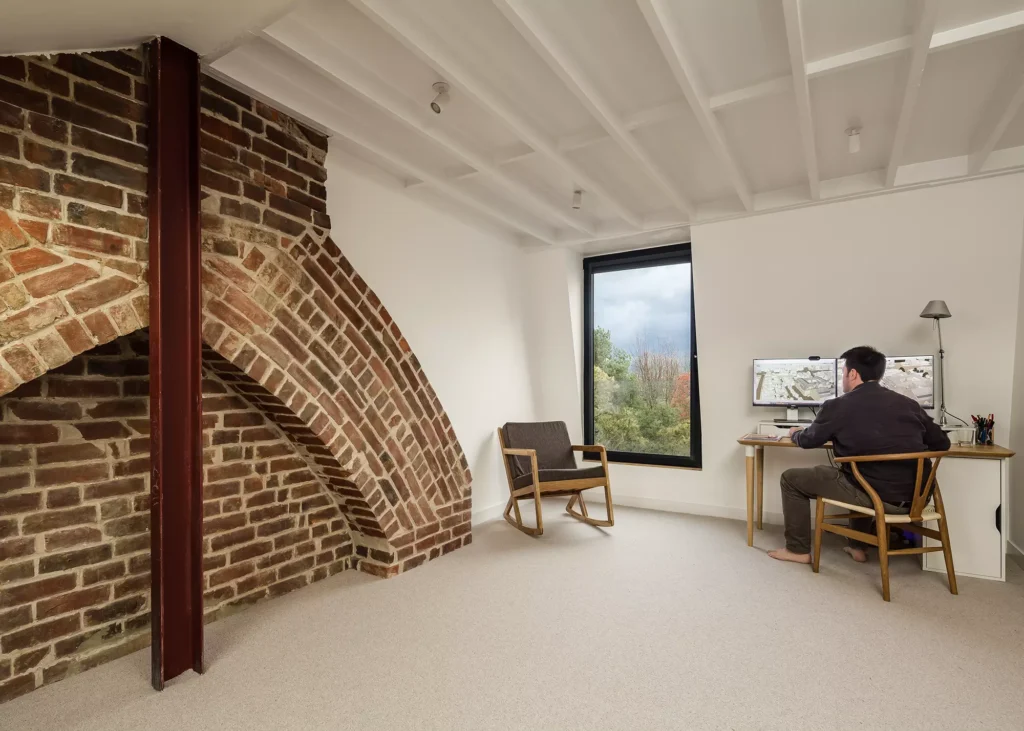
{"x": 883, "y": 553}
{"x": 819, "y": 518}
{"x": 947, "y": 553}
{"x": 583, "y": 516}
{"x": 518, "y": 522}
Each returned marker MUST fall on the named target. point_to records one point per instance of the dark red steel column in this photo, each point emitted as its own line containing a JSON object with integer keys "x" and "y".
{"x": 175, "y": 361}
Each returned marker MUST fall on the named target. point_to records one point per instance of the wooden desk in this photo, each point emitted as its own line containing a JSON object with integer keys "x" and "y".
{"x": 754, "y": 450}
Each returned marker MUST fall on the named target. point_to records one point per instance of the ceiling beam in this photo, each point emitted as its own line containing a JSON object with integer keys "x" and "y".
{"x": 795, "y": 39}
{"x": 293, "y": 87}
{"x": 858, "y": 57}
{"x": 671, "y": 46}
{"x": 544, "y": 44}
{"x": 918, "y": 58}
{"x": 953, "y": 37}
{"x": 1006, "y": 102}
{"x": 303, "y": 41}
{"x": 779, "y": 85}
{"x": 386, "y": 16}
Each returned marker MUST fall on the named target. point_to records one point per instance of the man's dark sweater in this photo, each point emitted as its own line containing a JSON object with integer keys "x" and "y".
{"x": 872, "y": 419}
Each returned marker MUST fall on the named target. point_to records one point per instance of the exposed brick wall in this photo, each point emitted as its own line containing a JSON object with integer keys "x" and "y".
{"x": 74, "y": 517}
{"x": 73, "y": 227}
{"x": 325, "y": 446}
{"x": 283, "y": 305}
{"x": 270, "y": 524}
{"x": 74, "y": 512}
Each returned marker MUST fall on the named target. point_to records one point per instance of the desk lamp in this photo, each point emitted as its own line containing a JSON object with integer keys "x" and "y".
{"x": 937, "y": 310}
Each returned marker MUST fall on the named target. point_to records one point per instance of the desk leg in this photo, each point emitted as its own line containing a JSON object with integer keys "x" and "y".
{"x": 750, "y": 453}
{"x": 759, "y": 452}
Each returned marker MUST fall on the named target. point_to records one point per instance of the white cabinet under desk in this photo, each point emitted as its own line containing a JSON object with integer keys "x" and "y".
{"x": 975, "y": 484}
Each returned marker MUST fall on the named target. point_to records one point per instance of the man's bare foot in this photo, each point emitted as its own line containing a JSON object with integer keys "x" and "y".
{"x": 784, "y": 554}
{"x": 857, "y": 554}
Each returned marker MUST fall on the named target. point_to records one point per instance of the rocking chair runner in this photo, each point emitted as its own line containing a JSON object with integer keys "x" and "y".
{"x": 925, "y": 491}
{"x": 539, "y": 461}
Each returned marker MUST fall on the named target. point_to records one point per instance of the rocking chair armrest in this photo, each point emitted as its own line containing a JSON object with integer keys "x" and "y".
{"x": 513, "y": 452}
{"x": 588, "y": 448}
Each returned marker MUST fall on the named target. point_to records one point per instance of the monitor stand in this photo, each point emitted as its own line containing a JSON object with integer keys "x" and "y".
{"x": 792, "y": 417}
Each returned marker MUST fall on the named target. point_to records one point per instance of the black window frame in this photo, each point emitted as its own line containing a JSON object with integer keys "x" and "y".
{"x": 660, "y": 256}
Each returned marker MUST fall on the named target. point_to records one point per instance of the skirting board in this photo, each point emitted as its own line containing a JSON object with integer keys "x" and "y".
{"x": 493, "y": 512}
{"x": 675, "y": 506}
{"x": 1014, "y": 552}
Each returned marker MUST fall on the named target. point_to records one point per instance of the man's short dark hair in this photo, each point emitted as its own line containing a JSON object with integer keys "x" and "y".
{"x": 867, "y": 361}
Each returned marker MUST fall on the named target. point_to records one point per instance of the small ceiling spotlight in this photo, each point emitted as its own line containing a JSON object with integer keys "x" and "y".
{"x": 441, "y": 87}
{"x": 577, "y": 199}
{"x": 853, "y": 135}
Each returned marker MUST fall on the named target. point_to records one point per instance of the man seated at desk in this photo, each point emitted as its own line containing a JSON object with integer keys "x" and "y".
{"x": 866, "y": 419}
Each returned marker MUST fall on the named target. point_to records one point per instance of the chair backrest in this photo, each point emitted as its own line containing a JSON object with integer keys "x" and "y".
{"x": 923, "y": 488}
{"x": 549, "y": 438}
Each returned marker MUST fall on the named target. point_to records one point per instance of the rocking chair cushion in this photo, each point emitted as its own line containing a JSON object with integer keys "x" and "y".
{"x": 581, "y": 473}
{"x": 549, "y": 438}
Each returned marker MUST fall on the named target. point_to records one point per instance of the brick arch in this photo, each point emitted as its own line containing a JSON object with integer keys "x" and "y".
{"x": 342, "y": 381}
{"x": 63, "y": 291}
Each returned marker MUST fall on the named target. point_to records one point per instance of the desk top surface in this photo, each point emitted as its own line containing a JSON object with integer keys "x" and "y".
{"x": 972, "y": 451}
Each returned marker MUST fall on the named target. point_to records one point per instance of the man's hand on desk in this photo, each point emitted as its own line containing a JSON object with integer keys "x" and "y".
{"x": 794, "y": 430}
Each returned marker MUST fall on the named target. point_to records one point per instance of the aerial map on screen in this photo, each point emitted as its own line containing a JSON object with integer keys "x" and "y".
{"x": 912, "y": 376}
{"x": 792, "y": 381}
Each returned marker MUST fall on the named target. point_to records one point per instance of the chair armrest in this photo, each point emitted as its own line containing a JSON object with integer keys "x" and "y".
{"x": 891, "y": 457}
{"x": 588, "y": 448}
{"x": 519, "y": 452}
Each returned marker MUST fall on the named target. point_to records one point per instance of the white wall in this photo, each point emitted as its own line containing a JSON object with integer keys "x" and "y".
{"x": 822, "y": 279}
{"x": 459, "y": 295}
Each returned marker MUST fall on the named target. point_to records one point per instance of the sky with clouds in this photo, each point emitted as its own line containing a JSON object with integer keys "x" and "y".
{"x": 653, "y": 303}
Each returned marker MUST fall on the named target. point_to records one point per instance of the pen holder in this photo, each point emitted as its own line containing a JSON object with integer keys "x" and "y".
{"x": 983, "y": 434}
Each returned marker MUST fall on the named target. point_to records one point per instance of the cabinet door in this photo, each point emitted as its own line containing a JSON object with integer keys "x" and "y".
{"x": 971, "y": 494}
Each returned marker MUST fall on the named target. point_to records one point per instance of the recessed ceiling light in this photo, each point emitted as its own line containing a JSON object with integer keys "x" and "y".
{"x": 577, "y": 199}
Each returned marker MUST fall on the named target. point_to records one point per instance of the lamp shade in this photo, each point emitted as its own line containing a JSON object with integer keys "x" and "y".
{"x": 936, "y": 309}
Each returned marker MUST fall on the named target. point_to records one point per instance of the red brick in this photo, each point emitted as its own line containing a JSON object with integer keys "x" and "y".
{"x": 109, "y": 146}
{"x": 81, "y": 66}
{"x": 226, "y": 131}
{"x": 45, "y": 155}
{"x": 49, "y": 79}
{"x": 81, "y": 238}
{"x": 32, "y": 591}
{"x": 23, "y": 362}
{"x": 100, "y": 326}
{"x": 51, "y": 128}
{"x": 59, "y": 280}
{"x": 88, "y": 190}
{"x": 54, "y": 519}
{"x": 108, "y": 172}
{"x": 47, "y": 410}
{"x": 77, "y": 339}
{"x": 99, "y": 293}
{"x": 84, "y": 215}
{"x": 22, "y": 96}
{"x": 72, "y": 601}
{"x": 26, "y": 260}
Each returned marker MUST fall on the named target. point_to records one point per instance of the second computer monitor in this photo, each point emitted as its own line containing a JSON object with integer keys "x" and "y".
{"x": 910, "y": 375}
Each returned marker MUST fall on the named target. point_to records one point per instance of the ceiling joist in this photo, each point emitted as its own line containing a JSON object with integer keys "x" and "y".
{"x": 671, "y": 46}
{"x": 795, "y": 39}
{"x": 544, "y": 44}
{"x": 301, "y": 39}
{"x": 251, "y": 66}
{"x": 385, "y": 15}
{"x": 918, "y": 58}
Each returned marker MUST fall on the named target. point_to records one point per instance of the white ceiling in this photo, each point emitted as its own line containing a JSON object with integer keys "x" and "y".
{"x": 665, "y": 112}
{"x": 205, "y": 26}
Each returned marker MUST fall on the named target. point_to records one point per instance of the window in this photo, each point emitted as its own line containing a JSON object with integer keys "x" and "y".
{"x": 640, "y": 357}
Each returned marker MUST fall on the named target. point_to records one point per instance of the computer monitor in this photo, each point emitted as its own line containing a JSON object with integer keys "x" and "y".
{"x": 794, "y": 382}
{"x": 911, "y": 375}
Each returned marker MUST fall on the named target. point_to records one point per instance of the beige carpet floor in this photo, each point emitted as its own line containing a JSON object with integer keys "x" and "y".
{"x": 662, "y": 622}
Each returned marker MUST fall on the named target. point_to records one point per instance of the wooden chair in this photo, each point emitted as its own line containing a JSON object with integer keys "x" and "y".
{"x": 539, "y": 461}
{"x": 920, "y": 512}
